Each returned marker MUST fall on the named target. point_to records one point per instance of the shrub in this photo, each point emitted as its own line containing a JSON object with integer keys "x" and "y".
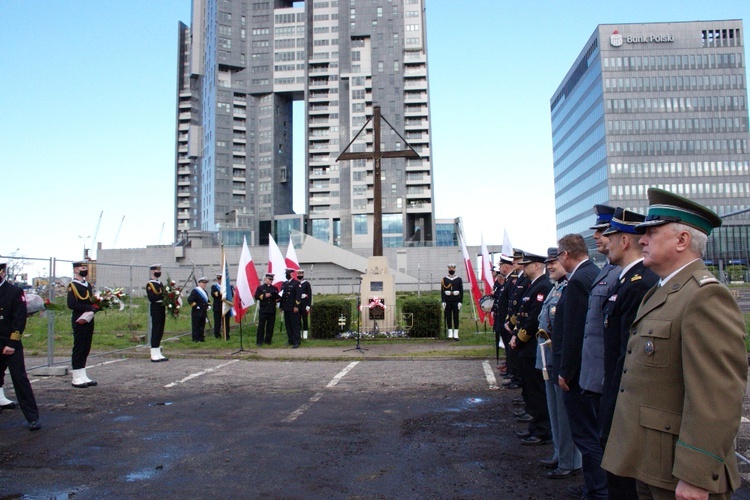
{"x": 324, "y": 318}
{"x": 426, "y": 313}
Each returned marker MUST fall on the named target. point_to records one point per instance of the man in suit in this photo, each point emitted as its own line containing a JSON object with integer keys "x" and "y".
{"x": 12, "y": 325}
{"x": 267, "y": 297}
{"x": 452, "y": 294}
{"x": 619, "y": 311}
{"x": 198, "y": 300}
{"x": 155, "y": 294}
{"x": 525, "y": 343}
{"x": 220, "y": 319}
{"x": 306, "y": 294}
{"x": 567, "y": 345}
{"x": 291, "y": 298}
{"x": 82, "y": 303}
{"x": 683, "y": 382}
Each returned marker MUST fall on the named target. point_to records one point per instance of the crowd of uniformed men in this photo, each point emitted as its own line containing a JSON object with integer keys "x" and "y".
{"x": 635, "y": 372}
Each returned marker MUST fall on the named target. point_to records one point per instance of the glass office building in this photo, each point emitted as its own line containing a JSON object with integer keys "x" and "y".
{"x": 242, "y": 65}
{"x": 659, "y": 104}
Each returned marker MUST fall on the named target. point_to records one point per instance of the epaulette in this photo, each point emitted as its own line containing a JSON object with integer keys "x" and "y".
{"x": 703, "y": 277}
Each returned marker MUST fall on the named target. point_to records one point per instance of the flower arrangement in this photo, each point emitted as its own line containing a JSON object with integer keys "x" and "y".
{"x": 375, "y": 303}
{"x": 172, "y": 298}
{"x": 110, "y": 297}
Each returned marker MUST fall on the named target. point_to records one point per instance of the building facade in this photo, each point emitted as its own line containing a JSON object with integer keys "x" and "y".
{"x": 662, "y": 105}
{"x": 242, "y": 65}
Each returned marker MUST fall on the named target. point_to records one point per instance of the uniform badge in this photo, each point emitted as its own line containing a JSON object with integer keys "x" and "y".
{"x": 622, "y": 280}
{"x": 540, "y": 297}
{"x": 649, "y": 348}
{"x": 636, "y": 277}
{"x": 612, "y": 298}
{"x": 552, "y": 311}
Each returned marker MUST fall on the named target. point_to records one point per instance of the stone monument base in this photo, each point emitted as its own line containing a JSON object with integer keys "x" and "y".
{"x": 378, "y": 297}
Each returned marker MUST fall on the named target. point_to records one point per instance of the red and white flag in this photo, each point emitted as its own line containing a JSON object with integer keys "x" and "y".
{"x": 507, "y": 247}
{"x": 486, "y": 269}
{"x": 475, "y": 293}
{"x": 291, "y": 257}
{"x": 247, "y": 283}
{"x": 276, "y": 263}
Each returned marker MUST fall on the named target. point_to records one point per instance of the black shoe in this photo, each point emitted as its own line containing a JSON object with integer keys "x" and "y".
{"x": 268, "y": 342}
{"x": 159, "y": 360}
{"x": 34, "y": 425}
{"x": 10, "y": 406}
{"x": 535, "y": 441}
{"x": 295, "y": 346}
{"x": 507, "y": 382}
{"x": 523, "y": 434}
{"x": 512, "y": 385}
{"x": 217, "y": 336}
{"x": 575, "y": 491}
{"x": 92, "y": 383}
{"x": 259, "y": 344}
{"x": 519, "y": 413}
{"x": 524, "y": 418}
{"x": 561, "y": 473}
{"x": 548, "y": 463}
{"x": 81, "y": 386}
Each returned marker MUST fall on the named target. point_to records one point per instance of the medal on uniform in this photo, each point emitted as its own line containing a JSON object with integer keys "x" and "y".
{"x": 649, "y": 348}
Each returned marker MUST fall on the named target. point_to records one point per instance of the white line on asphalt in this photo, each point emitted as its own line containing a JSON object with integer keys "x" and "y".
{"x": 491, "y": 380}
{"x": 107, "y": 362}
{"x": 198, "y": 374}
{"x": 340, "y": 375}
{"x": 335, "y": 380}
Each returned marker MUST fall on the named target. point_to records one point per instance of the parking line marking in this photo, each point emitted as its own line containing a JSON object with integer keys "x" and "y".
{"x": 198, "y": 374}
{"x": 316, "y": 397}
{"x": 107, "y": 362}
{"x": 490, "y": 375}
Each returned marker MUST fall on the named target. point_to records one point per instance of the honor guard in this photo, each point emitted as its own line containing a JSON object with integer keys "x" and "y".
{"x": 452, "y": 293}
{"x": 198, "y": 300}
{"x": 155, "y": 294}
{"x": 220, "y": 319}
{"x": 306, "y": 294}
{"x": 291, "y": 298}
{"x": 83, "y": 305}
{"x": 267, "y": 297}
{"x": 12, "y": 325}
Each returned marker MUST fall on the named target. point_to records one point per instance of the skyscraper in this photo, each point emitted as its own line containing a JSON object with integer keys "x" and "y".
{"x": 243, "y": 63}
{"x": 659, "y": 104}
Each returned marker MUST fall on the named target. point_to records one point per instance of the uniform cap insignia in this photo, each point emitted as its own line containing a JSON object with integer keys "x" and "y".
{"x": 649, "y": 348}
{"x": 636, "y": 277}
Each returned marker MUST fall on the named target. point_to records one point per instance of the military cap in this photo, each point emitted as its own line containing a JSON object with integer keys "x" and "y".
{"x": 269, "y": 275}
{"x": 551, "y": 255}
{"x": 290, "y": 270}
{"x": 604, "y": 214}
{"x": 624, "y": 221}
{"x": 451, "y": 266}
{"x": 300, "y": 272}
{"x": 517, "y": 254}
{"x": 665, "y": 207}
{"x": 504, "y": 259}
{"x": 529, "y": 258}
{"x": 219, "y": 275}
{"x": 154, "y": 267}
{"x": 80, "y": 263}
{"x": 202, "y": 279}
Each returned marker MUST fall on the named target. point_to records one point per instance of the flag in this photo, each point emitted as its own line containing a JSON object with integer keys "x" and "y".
{"x": 247, "y": 283}
{"x": 227, "y": 294}
{"x": 291, "y": 257}
{"x": 475, "y": 293}
{"x": 486, "y": 269}
{"x": 507, "y": 247}
{"x": 276, "y": 263}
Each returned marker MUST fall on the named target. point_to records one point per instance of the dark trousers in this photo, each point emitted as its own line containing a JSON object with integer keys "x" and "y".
{"x": 582, "y": 407}
{"x": 15, "y": 363}
{"x": 266, "y": 322}
{"x": 82, "y": 337}
{"x": 199, "y": 326}
{"x": 535, "y": 398}
{"x": 451, "y": 315}
{"x": 291, "y": 322}
{"x": 158, "y": 318}
{"x": 218, "y": 322}
{"x": 303, "y": 314}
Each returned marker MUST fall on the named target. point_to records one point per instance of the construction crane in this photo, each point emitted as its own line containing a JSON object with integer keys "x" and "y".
{"x": 117, "y": 234}
{"x": 96, "y": 231}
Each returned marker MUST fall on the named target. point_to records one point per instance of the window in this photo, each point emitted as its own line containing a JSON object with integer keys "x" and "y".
{"x": 360, "y": 224}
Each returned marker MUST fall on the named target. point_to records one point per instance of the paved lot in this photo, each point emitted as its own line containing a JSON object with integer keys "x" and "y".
{"x": 349, "y": 425}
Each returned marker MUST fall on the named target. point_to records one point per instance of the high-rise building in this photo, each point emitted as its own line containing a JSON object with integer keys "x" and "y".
{"x": 242, "y": 65}
{"x": 659, "y": 104}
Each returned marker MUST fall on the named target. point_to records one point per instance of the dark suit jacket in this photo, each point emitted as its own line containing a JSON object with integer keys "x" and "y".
{"x": 528, "y": 315}
{"x": 12, "y": 315}
{"x": 198, "y": 303}
{"x": 570, "y": 320}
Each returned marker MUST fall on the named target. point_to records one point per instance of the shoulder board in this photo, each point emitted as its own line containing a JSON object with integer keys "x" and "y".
{"x": 636, "y": 277}
{"x": 703, "y": 277}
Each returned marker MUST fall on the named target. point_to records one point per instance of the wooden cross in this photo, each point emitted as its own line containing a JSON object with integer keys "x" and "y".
{"x": 375, "y": 156}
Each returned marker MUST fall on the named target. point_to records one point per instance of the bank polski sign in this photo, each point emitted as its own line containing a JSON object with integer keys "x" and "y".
{"x": 617, "y": 39}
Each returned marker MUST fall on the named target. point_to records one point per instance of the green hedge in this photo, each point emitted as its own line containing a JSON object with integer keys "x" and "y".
{"x": 426, "y": 313}
{"x": 324, "y": 318}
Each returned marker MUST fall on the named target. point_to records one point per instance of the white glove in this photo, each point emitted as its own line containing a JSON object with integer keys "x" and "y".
{"x": 455, "y": 292}
{"x": 443, "y": 305}
{"x": 304, "y": 295}
{"x": 307, "y": 308}
{"x": 209, "y": 308}
{"x": 459, "y": 306}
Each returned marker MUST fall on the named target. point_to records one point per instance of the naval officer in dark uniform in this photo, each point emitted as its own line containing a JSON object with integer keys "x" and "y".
{"x": 219, "y": 317}
{"x": 291, "y": 298}
{"x": 82, "y": 302}
{"x": 267, "y": 297}
{"x": 198, "y": 300}
{"x": 452, "y": 293}
{"x": 12, "y": 325}
{"x": 306, "y": 294}
{"x": 155, "y": 294}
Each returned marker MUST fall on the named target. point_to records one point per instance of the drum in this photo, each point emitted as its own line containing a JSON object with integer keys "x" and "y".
{"x": 486, "y": 303}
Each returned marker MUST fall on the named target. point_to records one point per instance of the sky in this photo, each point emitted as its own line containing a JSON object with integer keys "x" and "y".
{"x": 88, "y": 106}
